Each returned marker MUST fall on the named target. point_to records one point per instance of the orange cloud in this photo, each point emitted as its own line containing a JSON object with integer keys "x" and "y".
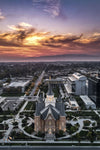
{"x": 20, "y": 27}
{"x": 25, "y": 41}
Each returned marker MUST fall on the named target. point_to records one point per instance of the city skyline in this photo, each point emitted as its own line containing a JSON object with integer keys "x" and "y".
{"x": 40, "y": 29}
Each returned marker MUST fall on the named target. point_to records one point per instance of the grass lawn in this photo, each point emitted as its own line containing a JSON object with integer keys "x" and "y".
{"x": 30, "y": 106}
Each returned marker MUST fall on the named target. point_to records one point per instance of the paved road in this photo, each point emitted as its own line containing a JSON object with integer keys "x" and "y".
{"x": 97, "y": 113}
{"x": 22, "y": 108}
{"x": 31, "y": 98}
{"x": 37, "y": 83}
{"x": 49, "y": 148}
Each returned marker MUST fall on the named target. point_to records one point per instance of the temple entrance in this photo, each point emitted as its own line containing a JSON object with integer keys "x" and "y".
{"x": 50, "y": 131}
{"x": 49, "y": 135}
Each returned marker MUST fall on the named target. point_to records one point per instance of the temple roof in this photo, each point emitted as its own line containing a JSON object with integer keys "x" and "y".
{"x": 58, "y": 110}
{"x": 50, "y": 110}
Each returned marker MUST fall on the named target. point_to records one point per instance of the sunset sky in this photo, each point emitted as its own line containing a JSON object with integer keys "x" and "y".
{"x": 35, "y": 28}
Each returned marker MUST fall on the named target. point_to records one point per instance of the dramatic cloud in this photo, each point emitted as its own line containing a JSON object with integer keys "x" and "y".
{"x": 1, "y": 16}
{"x": 51, "y": 7}
{"x": 20, "y": 27}
{"x": 60, "y": 40}
{"x": 17, "y": 35}
{"x": 25, "y": 41}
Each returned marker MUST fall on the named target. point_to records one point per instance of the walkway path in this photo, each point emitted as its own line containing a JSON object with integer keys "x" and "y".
{"x": 10, "y": 123}
{"x": 97, "y": 113}
{"x": 19, "y": 120}
{"x": 81, "y": 124}
{"x": 27, "y": 134}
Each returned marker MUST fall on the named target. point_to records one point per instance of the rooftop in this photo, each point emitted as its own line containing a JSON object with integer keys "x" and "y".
{"x": 18, "y": 84}
{"x": 53, "y": 80}
{"x": 87, "y": 100}
{"x": 72, "y": 78}
{"x": 73, "y": 103}
{"x": 77, "y": 76}
{"x": 50, "y": 110}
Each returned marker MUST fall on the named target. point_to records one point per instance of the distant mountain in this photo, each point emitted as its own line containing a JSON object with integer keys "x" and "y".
{"x": 66, "y": 57}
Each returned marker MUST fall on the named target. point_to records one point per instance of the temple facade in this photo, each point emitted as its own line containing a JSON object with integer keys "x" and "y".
{"x": 50, "y": 114}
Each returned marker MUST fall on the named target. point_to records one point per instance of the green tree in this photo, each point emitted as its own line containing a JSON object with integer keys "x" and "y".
{"x": 61, "y": 133}
{"x": 90, "y": 137}
{"x": 0, "y": 109}
{"x": 78, "y": 137}
{"x": 39, "y": 134}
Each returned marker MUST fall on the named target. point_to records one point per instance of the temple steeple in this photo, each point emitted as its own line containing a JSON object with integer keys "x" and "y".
{"x": 50, "y": 97}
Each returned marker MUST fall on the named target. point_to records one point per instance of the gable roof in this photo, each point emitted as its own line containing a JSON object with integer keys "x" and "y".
{"x": 50, "y": 110}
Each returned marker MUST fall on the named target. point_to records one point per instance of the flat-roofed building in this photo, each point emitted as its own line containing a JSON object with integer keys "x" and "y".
{"x": 54, "y": 82}
{"x": 73, "y": 104}
{"x": 17, "y": 85}
{"x": 76, "y": 84}
{"x": 88, "y": 102}
{"x": 94, "y": 89}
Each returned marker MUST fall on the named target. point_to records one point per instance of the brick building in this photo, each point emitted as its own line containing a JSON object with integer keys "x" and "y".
{"x": 50, "y": 114}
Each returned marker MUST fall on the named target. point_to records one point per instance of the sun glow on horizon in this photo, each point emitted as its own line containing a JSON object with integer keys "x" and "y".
{"x": 33, "y": 40}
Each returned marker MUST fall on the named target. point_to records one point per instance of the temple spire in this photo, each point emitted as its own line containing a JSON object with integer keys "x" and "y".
{"x": 50, "y": 92}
